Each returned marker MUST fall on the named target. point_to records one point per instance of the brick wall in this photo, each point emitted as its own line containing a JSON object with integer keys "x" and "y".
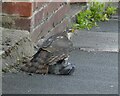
{"x": 17, "y": 15}
{"x": 48, "y": 18}
{"x": 41, "y": 19}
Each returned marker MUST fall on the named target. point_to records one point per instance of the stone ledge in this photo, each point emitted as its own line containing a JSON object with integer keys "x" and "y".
{"x": 15, "y": 45}
{"x": 15, "y": 22}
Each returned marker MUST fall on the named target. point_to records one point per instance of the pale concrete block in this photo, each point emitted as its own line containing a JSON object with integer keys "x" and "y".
{"x": 16, "y": 44}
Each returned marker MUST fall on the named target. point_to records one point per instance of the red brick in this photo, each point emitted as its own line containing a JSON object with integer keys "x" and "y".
{"x": 34, "y": 6}
{"x": 42, "y": 0}
{"x": 61, "y": 14}
{"x": 40, "y": 4}
{"x": 0, "y": 7}
{"x": 58, "y": 0}
{"x": 19, "y": 8}
{"x": 16, "y": 23}
{"x": 46, "y": 27}
{"x": 37, "y": 5}
{"x": 50, "y": 8}
{"x": 42, "y": 30}
{"x": 61, "y": 27}
{"x": 36, "y": 33}
{"x": 78, "y": 1}
{"x": 38, "y": 18}
{"x": 23, "y": 24}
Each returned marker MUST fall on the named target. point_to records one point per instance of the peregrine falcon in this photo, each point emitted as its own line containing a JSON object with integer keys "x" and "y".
{"x": 52, "y": 57}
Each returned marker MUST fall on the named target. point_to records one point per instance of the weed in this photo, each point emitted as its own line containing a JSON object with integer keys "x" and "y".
{"x": 96, "y": 12}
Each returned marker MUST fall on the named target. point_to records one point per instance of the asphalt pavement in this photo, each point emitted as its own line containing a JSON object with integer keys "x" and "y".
{"x": 96, "y": 73}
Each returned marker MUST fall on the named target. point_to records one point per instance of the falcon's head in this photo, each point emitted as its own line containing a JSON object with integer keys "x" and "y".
{"x": 70, "y": 33}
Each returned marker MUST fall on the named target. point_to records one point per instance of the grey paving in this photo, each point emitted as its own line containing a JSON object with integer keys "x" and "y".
{"x": 96, "y": 73}
{"x": 93, "y": 41}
